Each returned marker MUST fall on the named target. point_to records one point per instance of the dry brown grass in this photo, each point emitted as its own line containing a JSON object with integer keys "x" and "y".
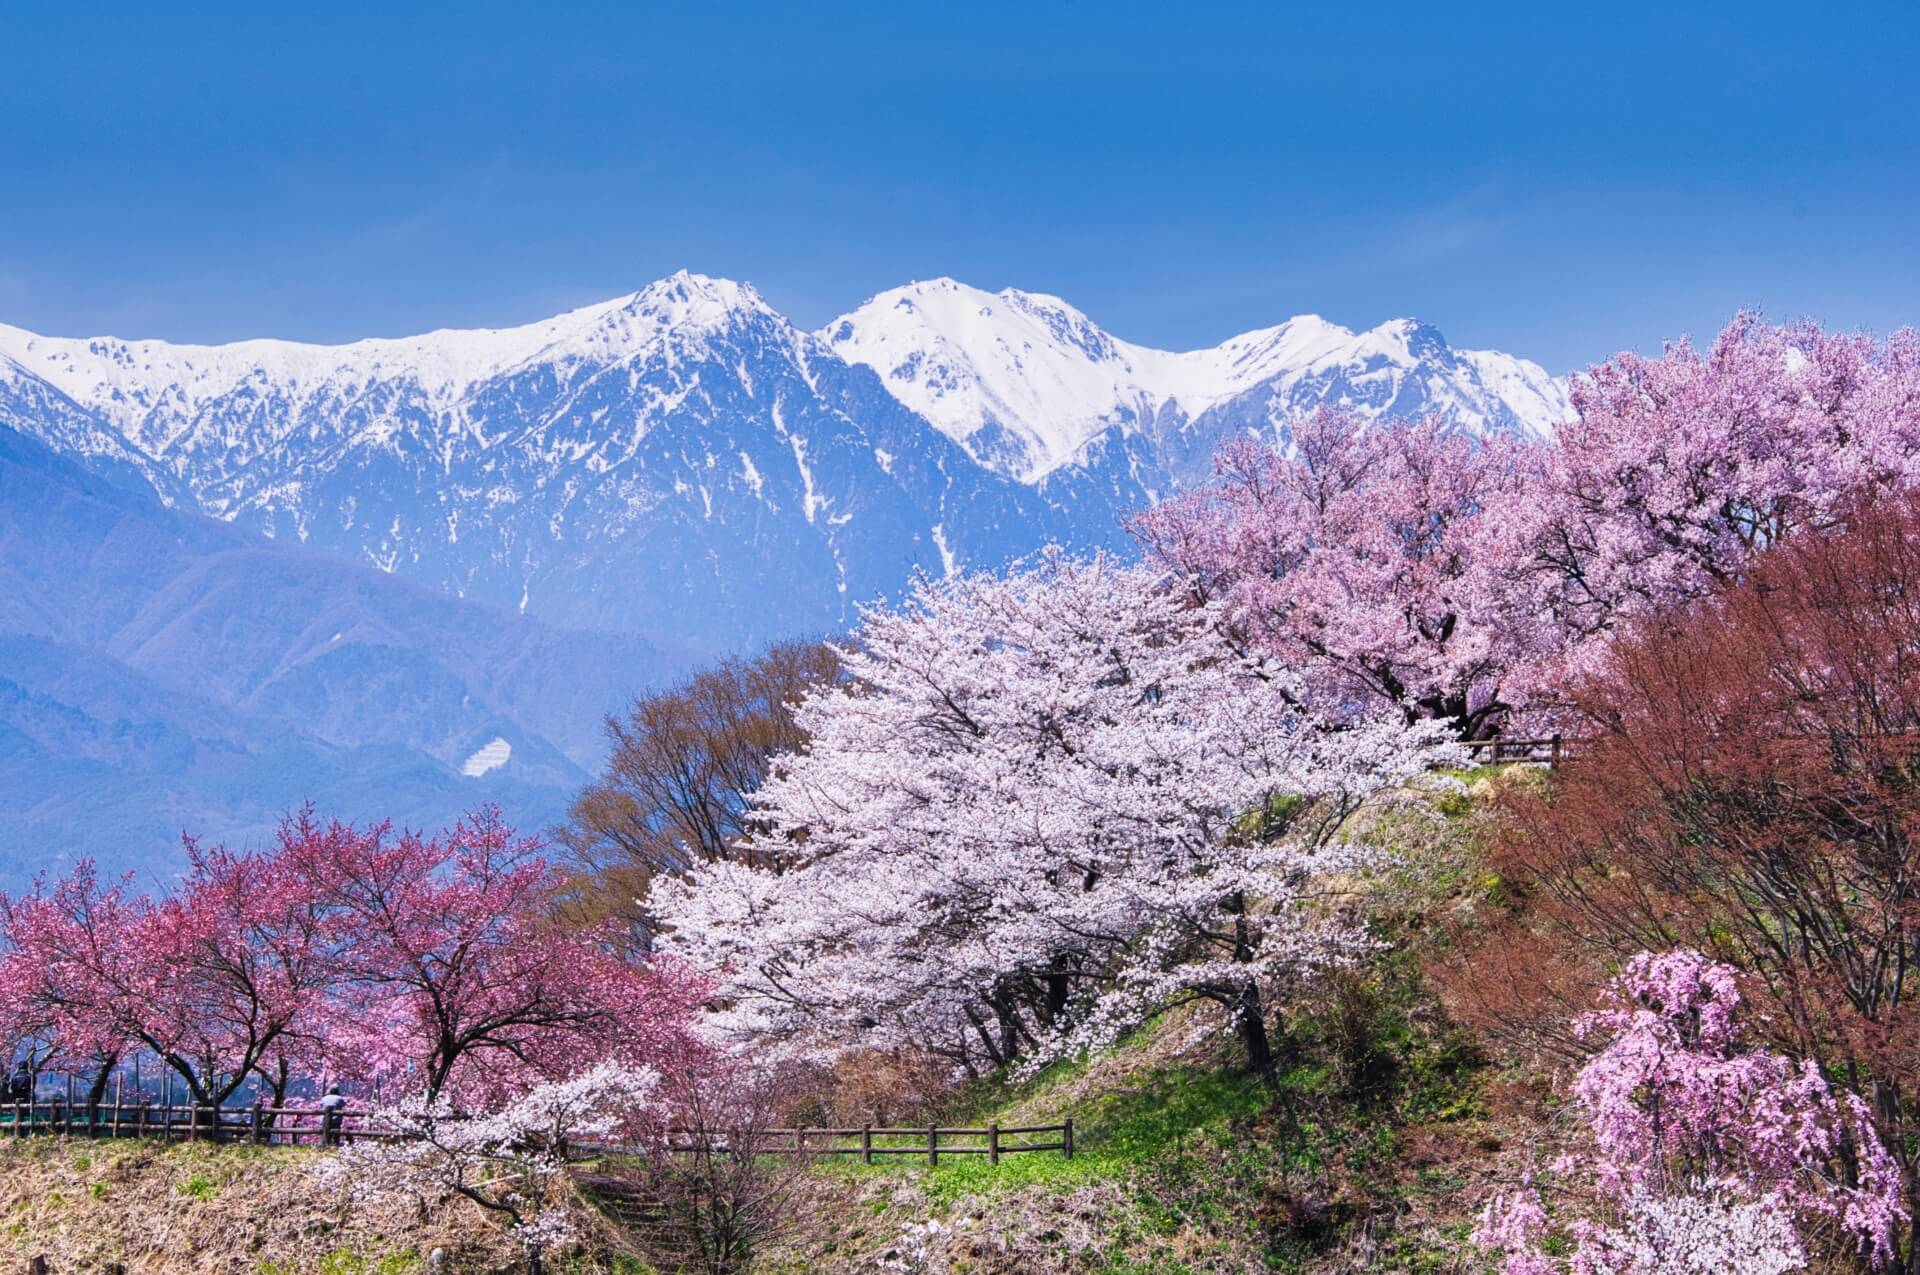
{"x": 140, "y": 1208}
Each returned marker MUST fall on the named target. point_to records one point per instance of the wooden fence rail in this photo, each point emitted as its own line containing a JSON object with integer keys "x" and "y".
{"x": 193, "y": 1122}
{"x": 283, "y": 1126}
{"x": 1899, "y": 747}
{"x": 868, "y": 1141}
{"x": 1549, "y": 751}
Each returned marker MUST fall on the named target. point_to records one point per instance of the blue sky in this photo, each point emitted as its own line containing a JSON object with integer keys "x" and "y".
{"x": 1555, "y": 180}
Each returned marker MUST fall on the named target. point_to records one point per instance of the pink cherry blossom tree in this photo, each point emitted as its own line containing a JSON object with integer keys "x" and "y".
{"x": 1706, "y": 1147}
{"x": 237, "y": 964}
{"x": 1356, "y": 552}
{"x": 452, "y": 975}
{"x": 1043, "y": 807}
{"x": 1677, "y": 469}
{"x": 70, "y": 946}
{"x": 211, "y": 979}
{"x": 432, "y": 962}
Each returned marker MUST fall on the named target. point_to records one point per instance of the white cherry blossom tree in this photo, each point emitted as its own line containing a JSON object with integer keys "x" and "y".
{"x": 510, "y": 1160}
{"x": 1043, "y": 807}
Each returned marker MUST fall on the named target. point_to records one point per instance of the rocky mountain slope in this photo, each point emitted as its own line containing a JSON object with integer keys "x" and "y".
{"x": 685, "y": 461}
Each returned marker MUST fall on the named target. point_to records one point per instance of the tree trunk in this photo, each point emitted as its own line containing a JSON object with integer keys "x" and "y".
{"x": 97, "y": 1091}
{"x": 994, "y": 1055}
{"x": 1057, "y": 990}
{"x": 1250, "y": 1014}
{"x": 1007, "y": 1011}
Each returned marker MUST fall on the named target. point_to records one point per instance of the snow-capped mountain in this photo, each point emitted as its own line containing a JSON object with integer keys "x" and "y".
{"x": 679, "y": 461}
{"x": 686, "y": 462}
{"x": 1024, "y": 381}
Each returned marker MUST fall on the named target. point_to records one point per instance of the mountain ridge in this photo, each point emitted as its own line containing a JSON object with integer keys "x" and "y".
{"x": 946, "y": 350}
{"x": 685, "y": 461}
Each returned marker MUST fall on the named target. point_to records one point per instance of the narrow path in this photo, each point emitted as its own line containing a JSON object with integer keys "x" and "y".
{"x": 629, "y": 1207}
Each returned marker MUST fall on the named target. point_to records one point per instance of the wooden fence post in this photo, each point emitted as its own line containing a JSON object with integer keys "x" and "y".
{"x": 1553, "y": 759}
{"x": 117, "y": 1096}
{"x": 993, "y": 1143}
{"x": 258, "y": 1126}
{"x": 1066, "y": 1137}
{"x": 933, "y": 1145}
{"x": 866, "y": 1144}
{"x": 19, "y": 1120}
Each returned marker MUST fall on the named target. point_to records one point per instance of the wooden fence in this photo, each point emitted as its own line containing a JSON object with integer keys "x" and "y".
{"x": 868, "y": 1141}
{"x": 192, "y": 1123}
{"x": 1549, "y": 752}
{"x": 1877, "y": 747}
{"x": 283, "y": 1126}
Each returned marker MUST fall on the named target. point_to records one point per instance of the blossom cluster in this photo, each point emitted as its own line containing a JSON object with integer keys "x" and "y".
{"x": 1713, "y": 1153}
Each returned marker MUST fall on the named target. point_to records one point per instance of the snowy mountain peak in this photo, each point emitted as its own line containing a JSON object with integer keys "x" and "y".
{"x": 1024, "y": 381}
{"x": 686, "y": 300}
{"x": 1020, "y": 379}
{"x": 1414, "y": 338}
{"x": 132, "y": 381}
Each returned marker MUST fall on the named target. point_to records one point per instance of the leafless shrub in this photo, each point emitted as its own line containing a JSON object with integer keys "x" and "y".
{"x": 723, "y": 1189}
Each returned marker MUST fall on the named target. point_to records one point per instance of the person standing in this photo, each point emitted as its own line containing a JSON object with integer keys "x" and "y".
{"x": 332, "y": 1108}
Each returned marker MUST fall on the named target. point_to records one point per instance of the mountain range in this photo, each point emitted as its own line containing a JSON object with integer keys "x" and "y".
{"x": 344, "y": 571}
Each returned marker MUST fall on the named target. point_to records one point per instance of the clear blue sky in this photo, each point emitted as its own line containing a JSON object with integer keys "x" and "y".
{"x": 1552, "y": 182}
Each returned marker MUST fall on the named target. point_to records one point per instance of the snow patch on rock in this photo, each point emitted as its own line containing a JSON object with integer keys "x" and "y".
{"x": 490, "y": 756}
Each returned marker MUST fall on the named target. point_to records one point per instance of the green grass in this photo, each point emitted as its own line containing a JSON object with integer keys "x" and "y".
{"x": 199, "y": 1187}
{"x": 629, "y": 1264}
{"x": 1165, "y": 1112}
{"x": 1471, "y": 775}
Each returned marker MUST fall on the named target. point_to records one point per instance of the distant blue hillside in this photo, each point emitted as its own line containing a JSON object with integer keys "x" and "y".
{"x": 162, "y": 672}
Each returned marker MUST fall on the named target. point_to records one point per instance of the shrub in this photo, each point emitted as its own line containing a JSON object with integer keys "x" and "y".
{"x": 1751, "y": 792}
